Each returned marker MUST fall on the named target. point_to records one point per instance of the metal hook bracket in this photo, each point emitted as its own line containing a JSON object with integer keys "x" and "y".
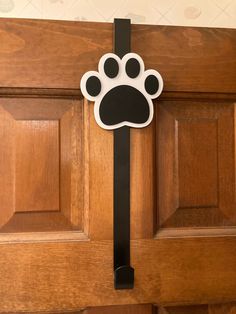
{"x": 123, "y": 272}
{"x": 122, "y": 91}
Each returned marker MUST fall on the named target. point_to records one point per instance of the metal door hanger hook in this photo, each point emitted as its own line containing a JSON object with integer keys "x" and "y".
{"x": 122, "y": 91}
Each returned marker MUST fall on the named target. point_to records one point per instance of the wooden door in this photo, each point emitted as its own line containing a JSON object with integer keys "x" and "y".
{"x": 56, "y": 174}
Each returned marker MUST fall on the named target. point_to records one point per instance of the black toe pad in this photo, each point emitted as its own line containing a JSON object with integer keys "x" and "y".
{"x": 93, "y": 86}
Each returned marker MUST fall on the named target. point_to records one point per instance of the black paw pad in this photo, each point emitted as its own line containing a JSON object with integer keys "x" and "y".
{"x": 111, "y": 67}
{"x": 93, "y": 86}
{"x": 122, "y": 91}
{"x": 151, "y": 84}
{"x": 132, "y": 67}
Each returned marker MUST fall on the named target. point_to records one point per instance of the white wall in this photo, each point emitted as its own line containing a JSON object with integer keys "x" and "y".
{"x": 212, "y": 13}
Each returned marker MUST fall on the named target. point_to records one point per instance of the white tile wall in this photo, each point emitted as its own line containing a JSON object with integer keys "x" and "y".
{"x": 212, "y": 13}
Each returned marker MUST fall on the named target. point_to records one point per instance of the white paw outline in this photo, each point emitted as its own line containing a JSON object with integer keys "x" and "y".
{"x": 122, "y": 78}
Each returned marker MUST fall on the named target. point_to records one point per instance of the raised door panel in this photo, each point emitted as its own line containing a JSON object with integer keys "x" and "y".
{"x": 52, "y": 273}
{"x": 41, "y": 165}
{"x": 196, "y": 165}
{"x": 62, "y": 274}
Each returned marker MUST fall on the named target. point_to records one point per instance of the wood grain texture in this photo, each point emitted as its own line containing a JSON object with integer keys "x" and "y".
{"x": 228, "y": 308}
{"x": 62, "y": 261}
{"x": 196, "y": 164}
{"x": 100, "y": 174}
{"x": 197, "y": 309}
{"x": 42, "y": 165}
{"x": 68, "y": 49}
{"x": 71, "y": 276}
{"x": 125, "y": 309}
{"x": 37, "y": 166}
{"x": 7, "y": 161}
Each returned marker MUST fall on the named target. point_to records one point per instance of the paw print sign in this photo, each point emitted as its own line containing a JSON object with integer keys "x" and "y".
{"x": 122, "y": 91}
